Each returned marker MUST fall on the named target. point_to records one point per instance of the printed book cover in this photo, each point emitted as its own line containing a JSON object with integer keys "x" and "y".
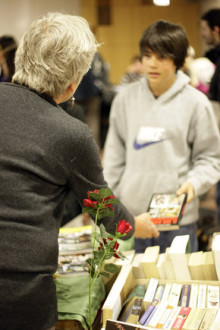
{"x": 166, "y": 210}
{"x": 76, "y": 240}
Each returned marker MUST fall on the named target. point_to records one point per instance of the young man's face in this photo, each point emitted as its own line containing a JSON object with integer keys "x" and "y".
{"x": 160, "y": 71}
{"x": 206, "y": 33}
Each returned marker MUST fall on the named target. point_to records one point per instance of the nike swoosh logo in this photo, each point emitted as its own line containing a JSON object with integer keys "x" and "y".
{"x": 143, "y": 145}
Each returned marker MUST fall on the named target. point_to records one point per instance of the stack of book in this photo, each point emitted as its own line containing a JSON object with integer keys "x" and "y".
{"x": 178, "y": 263}
{"x": 75, "y": 247}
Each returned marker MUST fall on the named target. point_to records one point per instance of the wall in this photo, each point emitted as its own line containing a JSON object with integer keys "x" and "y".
{"x": 15, "y": 15}
{"x": 130, "y": 18}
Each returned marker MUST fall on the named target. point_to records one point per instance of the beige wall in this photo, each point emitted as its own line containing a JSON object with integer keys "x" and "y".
{"x": 130, "y": 18}
{"x": 15, "y": 15}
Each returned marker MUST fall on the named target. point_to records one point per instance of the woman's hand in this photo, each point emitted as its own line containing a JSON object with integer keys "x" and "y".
{"x": 144, "y": 227}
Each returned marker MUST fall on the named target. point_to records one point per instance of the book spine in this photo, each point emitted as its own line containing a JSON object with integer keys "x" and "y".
{"x": 158, "y": 314}
{"x": 151, "y": 289}
{"x": 166, "y": 292}
{"x": 201, "y": 302}
{"x": 208, "y": 319}
{"x": 212, "y": 296}
{"x": 181, "y": 318}
{"x": 185, "y": 295}
{"x": 199, "y": 319}
{"x": 174, "y": 294}
{"x": 148, "y": 312}
{"x": 172, "y": 317}
{"x": 216, "y": 323}
{"x": 191, "y": 318}
{"x": 164, "y": 317}
{"x": 193, "y": 295}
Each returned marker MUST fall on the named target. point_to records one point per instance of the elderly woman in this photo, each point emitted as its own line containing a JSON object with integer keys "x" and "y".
{"x": 44, "y": 153}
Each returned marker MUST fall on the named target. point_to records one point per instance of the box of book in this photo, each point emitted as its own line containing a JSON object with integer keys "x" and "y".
{"x": 161, "y": 303}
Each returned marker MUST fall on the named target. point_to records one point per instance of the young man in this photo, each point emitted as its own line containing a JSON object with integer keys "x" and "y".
{"x": 163, "y": 136}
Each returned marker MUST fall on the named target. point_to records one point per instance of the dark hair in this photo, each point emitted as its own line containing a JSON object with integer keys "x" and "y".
{"x": 8, "y": 45}
{"x": 212, "y": 17}
{"x": 167, "y": 40}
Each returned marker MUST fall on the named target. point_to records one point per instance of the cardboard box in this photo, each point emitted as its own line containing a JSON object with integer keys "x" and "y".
{"x": 124, "y": 284}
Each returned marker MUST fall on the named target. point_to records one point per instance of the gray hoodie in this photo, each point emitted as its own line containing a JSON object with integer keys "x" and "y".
{"x": 155, "y": 144}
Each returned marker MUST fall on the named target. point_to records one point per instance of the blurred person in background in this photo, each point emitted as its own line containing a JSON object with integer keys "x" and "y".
{"x": 210, "y": 32}
{"x": 8, "y": 46}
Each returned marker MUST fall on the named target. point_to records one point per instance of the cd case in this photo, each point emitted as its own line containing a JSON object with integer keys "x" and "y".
{"x": 166, "y": 210}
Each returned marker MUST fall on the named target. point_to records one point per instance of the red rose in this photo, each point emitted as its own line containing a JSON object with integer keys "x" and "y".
{"x": 109, "y": 206}
{"x": 110, "y": 238}
{"x": 95, "y": 191}
{"x": 116, "y": 256}
{"x": 89, "y": 203}
{"x": 123, "y": 227}
{"x": 116, "y": 246}
{"x": 104, "y": 241}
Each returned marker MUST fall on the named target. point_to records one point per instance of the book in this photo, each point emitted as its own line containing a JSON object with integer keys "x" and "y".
{"x": 161, "y": 307}
{"x": 208, "y": 267}
{"x": 133, "y": 304}
{"x": 150, "y": 292}
{"x": 181, "y": 318}
{"x": 185, "y": 295}
{"x": 166, "y": 292}
{"x": 212, "y": 296}
{"x": 75, "y": 240}
{"x": 135, "y": 312}
{"x": 73, "y": 265}
{"x": 164, "y": 317}
{"x": 179, "y": 255}
{"x": 160, "y": 266}
{"x": 201, "y": 302}
{"x": 115, "y": 325}
{"x": 166, "y": 210}
{"x": 216, "y": 252}
{"x": 137, "y": 268}
{"x": 144, "y": 318}
{"x": 208, "y": 319}
{"x": 194, "y": 319}
{"x": 172, "y": 317}
{"x": 174, "y": 295}
{"x": 216, "y": 323}
{"x": 193, "y": 295}
{"x": 149, "y": 261}
{"x": 195, "y": 265}
{"x": 168, "y": 266}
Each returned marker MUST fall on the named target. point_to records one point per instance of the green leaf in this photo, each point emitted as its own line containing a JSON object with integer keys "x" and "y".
{"x": 109, "y": 255}
{"x": 111, "y": 268}
{"x": 105, "y": 192}
{"x": 106, "y": 212}
{"x": 95, "y": 196}
{"x": 103, "y": 231}
{"x": 89, "y": 210}
{"x": 105, "y": 274}
{"x": 112, "y": 201}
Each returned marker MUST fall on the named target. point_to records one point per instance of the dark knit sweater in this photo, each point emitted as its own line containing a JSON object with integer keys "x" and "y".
{"x": 43, "y": 154}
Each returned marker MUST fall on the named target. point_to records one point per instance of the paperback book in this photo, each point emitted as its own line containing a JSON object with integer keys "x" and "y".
{"x": 166, "y": 210}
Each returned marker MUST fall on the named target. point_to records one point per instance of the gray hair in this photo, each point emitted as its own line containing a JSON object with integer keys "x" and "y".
{"x": 55, "y": 51}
